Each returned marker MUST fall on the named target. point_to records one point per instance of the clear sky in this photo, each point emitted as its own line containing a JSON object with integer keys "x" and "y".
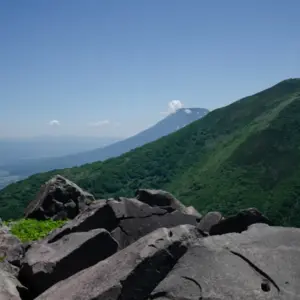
{"x": 110, "y": 67}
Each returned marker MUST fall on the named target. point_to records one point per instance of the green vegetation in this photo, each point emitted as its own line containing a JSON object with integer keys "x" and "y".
{"x": 243, "y": 155}
{"x": 32, "y": 230}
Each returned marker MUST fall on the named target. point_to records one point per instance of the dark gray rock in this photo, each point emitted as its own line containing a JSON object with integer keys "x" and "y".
{"x": 46, "y": 263}
{"x": 239, "y": 222}
{"x": 159, "y": 198}
{"x": 131, "y": 273}
{"x": 59, "y": 198}
{"x": 11, "y": 288}
{"x": 261, "y": 263}
{"x": 127, "y": 220}
{"x": 210, "y": 219}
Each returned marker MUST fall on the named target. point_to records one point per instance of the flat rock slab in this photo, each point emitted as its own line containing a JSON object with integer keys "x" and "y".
{"x": 130, "y": 274}
{"x": 261, "y": 263}
{"x": 47, "y": 263}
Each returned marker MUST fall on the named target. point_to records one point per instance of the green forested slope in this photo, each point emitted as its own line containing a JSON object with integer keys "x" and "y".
{"x": 245, "y": 154}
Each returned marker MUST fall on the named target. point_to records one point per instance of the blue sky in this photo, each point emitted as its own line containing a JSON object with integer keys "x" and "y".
{"x": 108, "y": 67}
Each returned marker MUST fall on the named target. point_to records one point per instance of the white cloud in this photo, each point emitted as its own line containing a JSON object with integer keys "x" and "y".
{"x": 173, "y": 106}
{"x": 54, "y": 123}
{"x": 99, "y": 123}
{"x": 103, "y": 123}
{"x": 187, "y": 111}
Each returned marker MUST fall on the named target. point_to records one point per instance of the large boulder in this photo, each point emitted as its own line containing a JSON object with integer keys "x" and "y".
{"x": 59, "y": 198}
{"x": 127, "y": 220}
{"x": 47, "y": 263}
{"x": 239, "y": 222}
{"x": 131, "y": 273}
{"x": 11, "y": 288}
{"x": 159, "y": 198}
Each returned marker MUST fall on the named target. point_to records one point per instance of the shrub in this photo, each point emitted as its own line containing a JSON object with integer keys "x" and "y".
{"x": 31, "y": 230}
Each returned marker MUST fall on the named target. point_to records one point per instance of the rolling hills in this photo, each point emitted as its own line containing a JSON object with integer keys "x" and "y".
{"x": 242, "y": 155}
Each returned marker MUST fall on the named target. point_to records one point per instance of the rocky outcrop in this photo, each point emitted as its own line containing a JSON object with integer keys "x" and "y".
{"x": 59, "y": 198}
{"x": 152, "y": 247}
{"x": 178, "y": 263}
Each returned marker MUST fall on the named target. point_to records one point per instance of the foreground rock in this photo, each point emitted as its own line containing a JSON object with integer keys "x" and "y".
{"x": 59, "y": 198}
{"x": 131, "y": 273}
{"x": 47, "y": 263}
{"x": 11, "y": 288}
{"x": 260, "y": 263}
